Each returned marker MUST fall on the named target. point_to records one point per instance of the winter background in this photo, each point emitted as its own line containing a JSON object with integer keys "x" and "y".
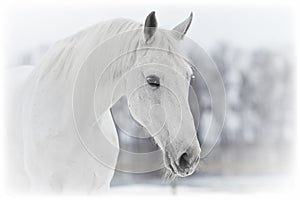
{"x": 253, "y": 49}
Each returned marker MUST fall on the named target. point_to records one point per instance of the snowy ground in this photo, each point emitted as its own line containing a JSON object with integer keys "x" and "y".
{"x": 211, "y": 185}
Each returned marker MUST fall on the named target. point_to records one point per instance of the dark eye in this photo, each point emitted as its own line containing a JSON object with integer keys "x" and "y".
{"x": 153, "y": 81}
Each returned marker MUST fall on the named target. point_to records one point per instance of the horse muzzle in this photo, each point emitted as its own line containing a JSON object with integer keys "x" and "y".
{"x": 185, "y": 164}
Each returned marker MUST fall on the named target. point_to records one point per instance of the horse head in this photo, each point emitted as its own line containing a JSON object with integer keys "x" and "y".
{"x": 158, "y": 95}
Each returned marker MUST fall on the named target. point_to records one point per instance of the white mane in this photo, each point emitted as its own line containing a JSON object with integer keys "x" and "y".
{"x": 67, "y": 55}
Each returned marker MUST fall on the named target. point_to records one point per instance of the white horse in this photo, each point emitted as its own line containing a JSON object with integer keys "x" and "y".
{"x": 67, "y": 100}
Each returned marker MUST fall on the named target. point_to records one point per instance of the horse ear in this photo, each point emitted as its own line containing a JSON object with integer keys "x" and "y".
{"x": 182, "y": 28}
{"x": 150, "y": 26}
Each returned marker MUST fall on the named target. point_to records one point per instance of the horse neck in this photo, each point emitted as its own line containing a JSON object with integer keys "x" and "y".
{"x": 116, "y": 62}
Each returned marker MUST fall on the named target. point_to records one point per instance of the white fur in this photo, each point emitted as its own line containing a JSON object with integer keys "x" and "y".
{"x": 54, "y": 157}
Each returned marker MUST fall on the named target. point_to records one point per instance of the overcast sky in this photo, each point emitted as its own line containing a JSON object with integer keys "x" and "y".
{"x": 245, "y": 27}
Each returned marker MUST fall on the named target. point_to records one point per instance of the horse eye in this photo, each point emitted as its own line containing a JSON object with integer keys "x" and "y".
{"x": 153, "y": 81}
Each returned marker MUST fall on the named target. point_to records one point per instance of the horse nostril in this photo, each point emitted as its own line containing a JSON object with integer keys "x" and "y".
{"x": 184, "y": 161}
